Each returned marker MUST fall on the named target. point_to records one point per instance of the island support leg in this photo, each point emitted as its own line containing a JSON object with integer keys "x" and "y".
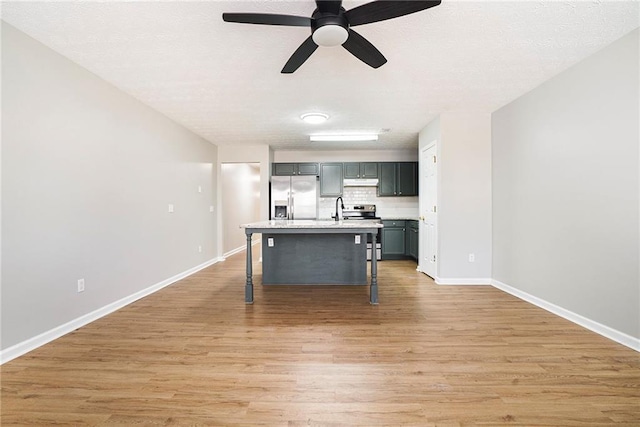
{"x": 248, "y": 288}
{"x": 373, "y": 289}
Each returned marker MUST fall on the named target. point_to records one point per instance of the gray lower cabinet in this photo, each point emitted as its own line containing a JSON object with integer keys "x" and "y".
{"x": 400, "y": 239}
{"x": 393, "y": 239}
{"x": 412, "y": 238}
{"x": 331, "y": 179}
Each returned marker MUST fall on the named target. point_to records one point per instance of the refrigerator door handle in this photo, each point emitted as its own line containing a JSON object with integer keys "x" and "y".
{"x": 291, "y": 203}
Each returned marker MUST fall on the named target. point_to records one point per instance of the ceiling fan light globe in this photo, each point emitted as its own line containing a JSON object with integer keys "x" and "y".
{"x": 330, "y": 35}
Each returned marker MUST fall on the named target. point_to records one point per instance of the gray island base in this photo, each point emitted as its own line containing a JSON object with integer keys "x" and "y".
{"x": 306, "y": 252}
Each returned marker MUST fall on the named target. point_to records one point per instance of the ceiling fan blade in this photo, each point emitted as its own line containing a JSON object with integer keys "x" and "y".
{"x": 329, "y": 6}
{"x": 267, "y": 19}
{"x": 383, "y": 10}
{"x": 362, "y": 49}
{"x": 300, "y": 55}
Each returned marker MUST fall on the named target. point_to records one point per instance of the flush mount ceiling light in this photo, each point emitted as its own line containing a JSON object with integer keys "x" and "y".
{"x": 343, "y": 138}
{"x": 314, "y": 118}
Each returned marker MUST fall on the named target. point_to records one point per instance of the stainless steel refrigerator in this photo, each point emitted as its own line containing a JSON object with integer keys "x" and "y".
{"x": 294, "y": 197}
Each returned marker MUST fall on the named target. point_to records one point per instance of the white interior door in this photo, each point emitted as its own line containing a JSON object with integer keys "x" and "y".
{"x": 427, "y": 262}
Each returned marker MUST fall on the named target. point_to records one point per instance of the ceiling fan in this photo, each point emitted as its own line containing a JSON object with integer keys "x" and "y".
{"x": 331, "y": 25}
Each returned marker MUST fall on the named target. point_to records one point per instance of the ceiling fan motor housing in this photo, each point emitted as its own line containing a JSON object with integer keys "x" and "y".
{"x": 329, "y": 29}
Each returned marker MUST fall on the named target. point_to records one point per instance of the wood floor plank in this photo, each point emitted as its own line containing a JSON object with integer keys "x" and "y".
{"x": 195, "y": 354}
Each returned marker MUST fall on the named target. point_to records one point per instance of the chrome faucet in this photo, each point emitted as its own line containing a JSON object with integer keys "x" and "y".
{"x": 337, "y": 217}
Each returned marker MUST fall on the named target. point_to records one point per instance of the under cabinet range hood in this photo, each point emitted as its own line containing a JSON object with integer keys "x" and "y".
{"x": 360, "y": 182}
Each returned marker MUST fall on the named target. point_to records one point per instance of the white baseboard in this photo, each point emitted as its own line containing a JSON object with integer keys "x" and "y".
{"x": 465, "y": 281}
{"x": 239, "y": 249}
{"x": 39, "y": 340}
{"x": 234, "y": 251}
{"x": 598, "y": 328}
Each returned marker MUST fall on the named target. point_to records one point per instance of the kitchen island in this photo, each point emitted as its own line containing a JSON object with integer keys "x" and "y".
{"x": 310, "y": 252}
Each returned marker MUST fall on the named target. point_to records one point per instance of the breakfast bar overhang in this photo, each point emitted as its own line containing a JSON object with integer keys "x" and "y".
{"x": 310, "y": 252}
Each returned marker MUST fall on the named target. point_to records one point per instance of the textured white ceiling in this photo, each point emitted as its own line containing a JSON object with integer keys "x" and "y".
{"x": 222, "y": 80}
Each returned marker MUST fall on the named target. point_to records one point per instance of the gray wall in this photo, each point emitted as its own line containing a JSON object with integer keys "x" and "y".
{"x": 464, "y": 195}
{"x": 566, "y": 189}
{"x": 464, "y": 220}
{"x": 87, "y": 176}
{"x": 240, "y": 202}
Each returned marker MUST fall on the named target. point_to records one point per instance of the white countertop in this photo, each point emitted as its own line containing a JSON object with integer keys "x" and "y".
{"x": 320, "y": 224}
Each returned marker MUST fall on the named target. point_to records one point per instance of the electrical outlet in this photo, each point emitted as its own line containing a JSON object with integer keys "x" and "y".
{"x": 199, "y": 248}
{"x": 199, "y": 189}
{"x": 170, "y": 208}
{"x": 80, "y": 285}
{"x": 357, "y": 239}
{"x": 270, "y": 242}
{"x": 210, "y": 208}
{"x": 472, "y": 258}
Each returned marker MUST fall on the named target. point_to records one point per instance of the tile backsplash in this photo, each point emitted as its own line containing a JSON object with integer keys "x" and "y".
{"x": 386, "y": 207}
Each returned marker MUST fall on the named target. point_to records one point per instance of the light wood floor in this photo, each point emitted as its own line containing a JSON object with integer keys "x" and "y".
{"x": 428, "y": 355}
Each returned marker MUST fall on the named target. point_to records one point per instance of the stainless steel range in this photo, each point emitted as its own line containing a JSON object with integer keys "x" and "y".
{"x": 365, "y": 212}
{"x": 360, "y": 212}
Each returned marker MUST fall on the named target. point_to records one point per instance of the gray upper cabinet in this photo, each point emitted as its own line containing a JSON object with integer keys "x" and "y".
{"x": 408, "y": 179}
{"x": 283, "y": 169}
{"x": 351, "y": 170}
{"x": 288, "y": 169}
{"x": 361, "y": 170}
{"x": 369, "y": 170}
{"x": 308, "y": 169}
{"x": 398, "y": 179}
{"x": 331, "y": 179}
{"x": 387, "y": 182}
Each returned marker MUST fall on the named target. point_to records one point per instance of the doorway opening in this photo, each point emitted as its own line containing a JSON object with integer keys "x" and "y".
{"x": 240, "y": 203}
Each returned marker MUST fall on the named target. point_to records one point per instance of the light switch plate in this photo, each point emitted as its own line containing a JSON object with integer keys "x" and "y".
{"x": 357, "y": 239}
{"x": 270, "y": 242}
